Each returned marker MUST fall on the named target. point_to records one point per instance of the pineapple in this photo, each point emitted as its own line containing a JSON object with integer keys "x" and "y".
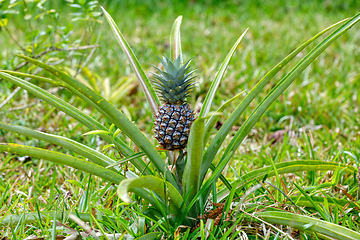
{"x": 174, "y": 117}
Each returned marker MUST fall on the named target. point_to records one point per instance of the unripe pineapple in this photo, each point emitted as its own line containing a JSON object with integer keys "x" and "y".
{"x": 174, "y": 118}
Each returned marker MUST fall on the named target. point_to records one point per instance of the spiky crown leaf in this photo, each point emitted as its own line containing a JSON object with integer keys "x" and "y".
{"x": 174, "y": 83}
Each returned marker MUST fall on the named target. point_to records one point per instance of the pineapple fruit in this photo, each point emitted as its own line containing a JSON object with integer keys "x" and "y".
{"x": 174, "y": 117}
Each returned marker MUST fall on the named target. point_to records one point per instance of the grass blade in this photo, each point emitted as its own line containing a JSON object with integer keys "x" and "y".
{"x": 234, "y": 117}
{"x": 139, "y": 72}
{"x": 53, "y": 231}
{"x": 309, "y": 224}
{"x": 316, "y": 206}
{"x": 215, "y": 84}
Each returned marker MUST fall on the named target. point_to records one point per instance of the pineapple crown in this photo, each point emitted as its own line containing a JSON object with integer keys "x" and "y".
{"x": 174, "y": 83}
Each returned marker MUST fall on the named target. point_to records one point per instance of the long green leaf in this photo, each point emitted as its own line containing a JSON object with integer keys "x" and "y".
{"x": 72, "y": 111}
{"x": 286, "y": 167}
{"x": 234, "y": 117}
{"x": 139, "y": 72}
{"x": 215, "y": 84}
{"x": 161, "y": 187}
{"x": 175, "y": 40}
{"x": 309, "y": 224}
{"x": 60, "y": 158}
{"x": 210, "y": 124}
{"x": 58, "y": 83}
{"x": 64, "y": 159}
{"x": 296, "y": 166}
{"x": 191, "y": 180}
{"x": 113, "y": 114}
{"x": 32, "y": 217}
{"x": 54, "y": 101}
{"x": 36, "y": 77}
{"x": 67, "y": 143}
{"x": 285, "y": 82}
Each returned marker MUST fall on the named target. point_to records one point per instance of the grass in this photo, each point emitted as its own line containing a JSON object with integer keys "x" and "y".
{"x": 321, "y": 108}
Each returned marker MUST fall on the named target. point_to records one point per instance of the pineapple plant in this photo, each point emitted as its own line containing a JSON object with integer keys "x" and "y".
{"x": 176, "y": 204}
{"x": 174, "y": 117}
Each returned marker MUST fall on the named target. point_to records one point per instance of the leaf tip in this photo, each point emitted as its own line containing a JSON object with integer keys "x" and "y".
{"x": 179, "y": 18}
{"x": 123, "y": 194}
